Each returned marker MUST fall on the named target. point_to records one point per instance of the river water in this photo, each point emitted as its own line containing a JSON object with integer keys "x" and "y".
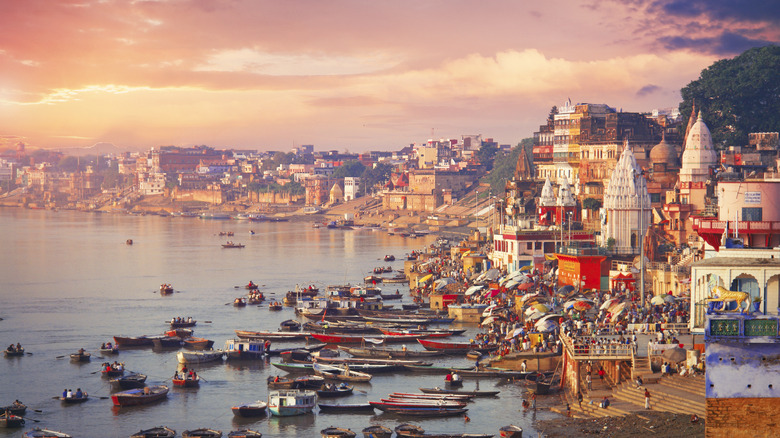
{"x": 69, "y": 281}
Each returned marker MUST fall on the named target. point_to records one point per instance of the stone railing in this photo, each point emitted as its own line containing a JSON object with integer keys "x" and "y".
{"x": 582, "y": 348}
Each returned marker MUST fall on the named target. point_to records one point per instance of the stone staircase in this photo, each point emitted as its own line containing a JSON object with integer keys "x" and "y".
{"x": 640, "y": 366}
{"x": 682, "y": 395}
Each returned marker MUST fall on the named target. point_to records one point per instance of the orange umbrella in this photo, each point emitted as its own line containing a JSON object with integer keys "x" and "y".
{"x": 582, "y": 305}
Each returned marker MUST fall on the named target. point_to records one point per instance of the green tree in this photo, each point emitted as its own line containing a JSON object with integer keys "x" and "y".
{"x": 737, "y": 96}
{"x": 351, "y": 168}
{"x": 376, "y": 175}
{"x": 591, "y": 204}
{"x": 68, "y": 164}
{"x": 504, "y": 164}
{"x": 487, "y": 153}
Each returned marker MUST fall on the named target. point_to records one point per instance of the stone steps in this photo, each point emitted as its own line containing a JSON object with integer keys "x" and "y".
{"x": 696, "y": 385}
{"x": 663, "y": 398}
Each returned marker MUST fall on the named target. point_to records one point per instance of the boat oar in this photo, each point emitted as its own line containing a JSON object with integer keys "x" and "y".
{"x": 60, "y": 357}
{"x": 38, "y": 411}
{"x": 207, "y": 322}
{"x": 31, "y": 419}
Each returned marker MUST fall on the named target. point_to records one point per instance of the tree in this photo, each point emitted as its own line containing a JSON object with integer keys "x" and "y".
{"x": 487, "y": 153}
{"x": 591, "y": 204}
{"x": 373, "y": 176}
{"x": 503, "y": 167}
{"x": 737, "y": 96}
{"x": 351, "y": 168}
{"x": 68, "y": 164}
{"x": 553, "y": 112}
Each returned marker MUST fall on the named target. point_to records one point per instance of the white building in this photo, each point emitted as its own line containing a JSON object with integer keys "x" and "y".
{"x": 699, "y": 154}
{"x": 351, "y": 188}
{"x": 626, "y": 212}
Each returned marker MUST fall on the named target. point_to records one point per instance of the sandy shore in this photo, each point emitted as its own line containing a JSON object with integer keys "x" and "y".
{"x": 660, "y": 424}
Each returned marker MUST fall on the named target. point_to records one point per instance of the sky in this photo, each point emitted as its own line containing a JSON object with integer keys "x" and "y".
{"x": 347, "y": 75}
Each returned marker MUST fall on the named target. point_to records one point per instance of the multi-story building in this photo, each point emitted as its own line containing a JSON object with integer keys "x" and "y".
{"x": 351, "y": 188}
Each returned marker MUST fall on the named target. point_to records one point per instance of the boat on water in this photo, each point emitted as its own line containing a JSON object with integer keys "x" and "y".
{"x": 74, "y": 400}
{"x": 309, "y": 367}
{"x": 167, "y": 342}
{"x": 349, "y": 408}
{"x": 496, "y": 372}
{"x": 129, "y": 381}
{"x": 416, "y": 403}
{"x": 9, "y": 420}
{"x": 232, "y": 245}
{"x": 272, "y": 336}
{"x": 181, "y": 322}
{"x": 330, "y": 390}
{"x": 135, "y": 341}
{"x": 81, "y": 356}
{"x": 377, "y": 431}
{"x": 244, "y": 433}
{"x": 389, "y": 353}
{"x": 475, "y": 393}
{"x": 407, "y": 430}
{"x": 194, "y": 343}
{"x": 202, "y": 433}
{"x": 429, "y": 412}
{"x": 37, "y": 432}
{"x": 510, "y": 431}
{"x": 426, "y": 369}
{"x": 340, "y": 373}
{"x": 155, "y": 432}
{"x": 275, "y": 306}
{"x": 456, "y": 347}
{"x": 140, "y": 396}
{"x": 187, "y": 382}
{"x": 337, "y": 432}
{"x": 166, "y": 289}
{"x": 16, "y": 352}
{"x": 424, "y": 396}
{"x": 108, "y": 351}
{"x": 290, "y": 325}
{"x": 16, "y": 408}
{"x": 199, "y": 356}
{"x": 278, "y": 382}
{"x": 288, "y": 402}
{"x": 334, "y": 338}
{"x": 255, "y": 409}
{"x": 244, "y": 350}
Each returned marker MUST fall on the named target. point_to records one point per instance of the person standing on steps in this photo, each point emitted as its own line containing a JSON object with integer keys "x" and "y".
{"x": 647, "y": 399}
{"x": 579, "y": 399}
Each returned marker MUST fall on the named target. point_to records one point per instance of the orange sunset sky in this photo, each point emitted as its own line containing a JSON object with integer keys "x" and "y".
{"x": 346, "y": 74}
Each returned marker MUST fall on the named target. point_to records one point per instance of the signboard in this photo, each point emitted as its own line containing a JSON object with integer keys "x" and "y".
{"x": 752, "y": 197}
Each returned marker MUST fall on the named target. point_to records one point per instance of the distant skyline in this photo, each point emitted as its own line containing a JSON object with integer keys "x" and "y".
{"x": 350, "y": 75}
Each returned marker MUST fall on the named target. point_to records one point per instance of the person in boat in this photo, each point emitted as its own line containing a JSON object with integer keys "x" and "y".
{"x": 448, "y": 377}
{"x": 176, "y": 376}
{"x": 81, "y": 352}
{"x": 64, "y": 393}
{"x": 267, "y": 346}
{"x": 455, "y": 376}
{"x": 276, "y": 379}
{"x": 147, "y": 391}
{"x": 526, "y": 405}
{"x": 19, "y": 347}
{"x": 79, "y": 394}
{"x": 11, "y": 348}
{"x": 69, "y": 394}
{"x": 103, "y": 346}
{"x": 109, "y": 346}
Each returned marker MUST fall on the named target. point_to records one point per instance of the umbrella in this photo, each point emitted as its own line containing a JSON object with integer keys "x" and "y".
{"x": 535, "y": 315}
{"x": 546, "y": 317}
{"x": 527, "y": 297}
{"x": 517, "y": 331}
{"x": 511, "y": 283}
{"x": 525, "y": 286}
{"x": 426, "y": 278}
{"x": 474, "y": 289}
{"x": 492, "y": 274}
{"x": 489, "y": 309}
{"x": 617, "y": 308}
{"x": 675, "y": 354}
{"x": 541, "y": 307}
{"x": 565, "y": 289}
{"x": 525, "y": 268}
{"x": 657, "y": 300}
{"x": 489, "y": 320}
{"x": 609, "y": 303}
{"x": 440, "y": 283}
{"x": 545, "y": 327}
{"x": 669, "y": 298}
{"x": 581, "y": 305}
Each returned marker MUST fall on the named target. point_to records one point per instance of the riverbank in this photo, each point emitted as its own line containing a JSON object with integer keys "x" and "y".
{"x": 662, "y": 424}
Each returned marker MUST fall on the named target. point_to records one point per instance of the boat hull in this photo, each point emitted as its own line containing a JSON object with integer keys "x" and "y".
{"x": 136, "y": 397}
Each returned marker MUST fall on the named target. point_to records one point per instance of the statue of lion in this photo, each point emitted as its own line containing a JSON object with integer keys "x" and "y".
{"x": 725, "y": 295}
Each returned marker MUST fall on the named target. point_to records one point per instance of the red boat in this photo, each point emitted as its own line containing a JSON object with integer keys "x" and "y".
{"x": 348, "y": 339}
{"x": 455, "y": 346}
{"x": 187, "y": 383}
{"x": 138, "y": 396}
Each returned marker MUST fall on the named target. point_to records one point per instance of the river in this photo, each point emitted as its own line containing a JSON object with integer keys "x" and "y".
{"x": 68, "y": 280}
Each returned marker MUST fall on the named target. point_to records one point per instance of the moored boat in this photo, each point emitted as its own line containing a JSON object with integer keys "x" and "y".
{"x": 74, "y": 400}
{"x": 475, "y": 393}
{"x": 427, "y": 412}
{"x": 202, "y": 433}
{"x": 244, "y": 350}
{"x": 37, "y": 432}
{"x": 330, "y": 390}
{"x": 377, "y": 431}
{"x": 390, "y": 353}
{"x": 308, "y": 367}
{"x": 244, "y": 433}
{"x": 290, "y": 325}
{"x": 135, "y": 397}
{"x": 277, "y": 382}
{"x": 155, "y": 432}
{"x": 333, "y": 338}
{"x": 129, "y": 381}
{"x": 291, "y": 402}
{"x": 255, "y": 409}
{"x": 346, "y": 408}
{"x": 337, "y": 432}
{"x": 455, "y": 347}
{"x": 340, "y": 373}
{"x": 407, "y": 430}
{"x": 510, "y": 431}
{"x": 199, "y": 356}
{"x": 167, "y": 342}
{"x": 134, "y": 341}
{"x": 194, "y": 343}
{"x": 272, "y": 336}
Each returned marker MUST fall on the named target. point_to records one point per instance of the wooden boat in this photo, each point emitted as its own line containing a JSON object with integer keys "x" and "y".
{"x": 390, "y": 353}
{"x": 13, "y": 353}
{"x": 339, "y": 373}
{"x": 255, "y": 409}
{"x": 37, "y": 432}
{"x": 351, "y": 339}
{"x": 9, "y": 420}
{"x": 433, "y": 369}
{"x": 108, "y": 351}
{"x": 180, "y": 323}
{"x": 541, "y": 382}
{"x": 272, "y": 336}
{"x": 475, "y": 393}
{"x": 407, "y": 430}
{"x": 133, "y": 341}
{"x": 337, "y": 432}
{"x": 275, "y": 306}
{"x": 251, "y": 286}
{"x": 290, "y": 325}
{"x": 430, "y": 333}
{"x": 494, "y": 372}
{"x": 129, "y": 381}
{"x": 308, "y": 367}
{"x": 345, "y": 408}
{"x": 199, "y": 356}
{"x": 167, "y": 342}
{"x": 290, "y": 402}
{"x": 377, "y": 431}
{"x": 473, "y": 354}
{"x": 15, "y": 409}
{"x": 239, "y": 302}
{"x": 277, "y": 382}
{"x": 244, "y": 433}
{"x": 424, "y": 396}
{"x": 335, "y": 391}
{"x": 427, "y": 412}
{"x": 74, "y": 400}
{"x": 394, "y": 364}
{"x": 390, "y": 258}
{"x": 112, "y": 372}
{"x": 135, "y": 397}
{"x": 232, "y": 245}
{"x": 510, "y": 431}
{"x": 155, "y": 432}
{"x": 202, "y": 433}
{"x": 416, "y": 403}
{"x": 193, "y": 343}
{"x": 80, "y": 357}
{"x": 186, "y": 383}
{"x": 455, "y": 347}
{"x": 244, "y": 350}
{"x": 308, "y": 382}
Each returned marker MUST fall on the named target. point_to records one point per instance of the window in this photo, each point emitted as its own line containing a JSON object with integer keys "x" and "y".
{"x": 655, "y": 197}
{"x": 752, "y": 214}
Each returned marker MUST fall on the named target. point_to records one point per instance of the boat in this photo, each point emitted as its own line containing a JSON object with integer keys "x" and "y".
{"x": 345, "y": 408}
{"x": 202, "y": 433}
{"x": 74, "y": 400}
{"x": 329, "y": 390}
{"x": 424, "y": 396}
{"x": 377, "y": 431}
{"x": 81, "y": 356}
{"x": 542, "y": 382}
{"x": 390, "y": 403}
{"x": 9, "y": 420}
{"x": 186, "y": 383}
{"x": 390, "y": 258}
{"x": 199, "y": 356}
{"x": 135, "y": 397}
{"x": 155, "y": 432}
{"x": 244, "y": 433}
{"x": 232, "y": 245}
{"x": 350, "y": 339}
{"x": 473, "y": 354}
{"x": 432, "y": 411}
{"x": 308, "y": 367}
{"x": 444, "y": 333}
{"x": 288, "y": 402}
{"x": 13, "y": 353}
{"x": 181, "y": 322}
{"x": 167, "y": 342}
{"x": 407, "y": 430}
{"x": 308, "y": 382}
{"x": 290, "y": 325}
{"x": 110, "y": 371}
{"x": 37, "y": 432}
{"x": 340, "y": 373}
{"x": 495, "y": 372}
{"x": 337, "y": 432}
{"x": 15, "y": 409}
{"x": 254, "y": 409}
{"x": 166, "y": 289}
{"x": 275, "y": 306}
{"x": 244, "y": 350}
{"x": 475, "y": 393}
{"x": 510, "y": 431}
{"x": 129, "y": 381}
{"x": 251, "y": 286}
{"x": 434, "y": 369}
{"x": 193, "y": 343}
{"x": 277, "y": 382}
{"x": 390, "y": 353}
{"x": 134, "y": 341}
{"x": 272, "y": 336}
{"x": 456, "y": 347}
{"x": 108, "y": 351}
{"x": 239, "y": 302}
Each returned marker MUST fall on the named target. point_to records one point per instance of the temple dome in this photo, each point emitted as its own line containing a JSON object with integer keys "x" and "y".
{"x": 699, "y": 154}
{"x": 664, "y": 152}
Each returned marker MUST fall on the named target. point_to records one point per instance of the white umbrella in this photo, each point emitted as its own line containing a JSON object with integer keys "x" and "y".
{"x": 516, "y": 332}
{"x": 492, "y": 274}
{"x": 511, "y": 283}
{"x": 489, "y": 309}
{"x": 474, "y": 289}
{"x": 489, "y": 319}
{"x": 545, "y": 327}
{"x": 442, "y": 282}
{"x": 535, "y": 315}
{"x": 547, "y": 317}
{"x": 607, "y": 304}
{"x": 669, "y": 298}
{"x": 657, "y": 300}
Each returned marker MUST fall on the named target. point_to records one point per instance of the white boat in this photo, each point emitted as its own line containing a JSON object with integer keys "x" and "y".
{"x": 244, "y": 349}
{"x": 288, "y": 402}
{"x": 199, "y": 356}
